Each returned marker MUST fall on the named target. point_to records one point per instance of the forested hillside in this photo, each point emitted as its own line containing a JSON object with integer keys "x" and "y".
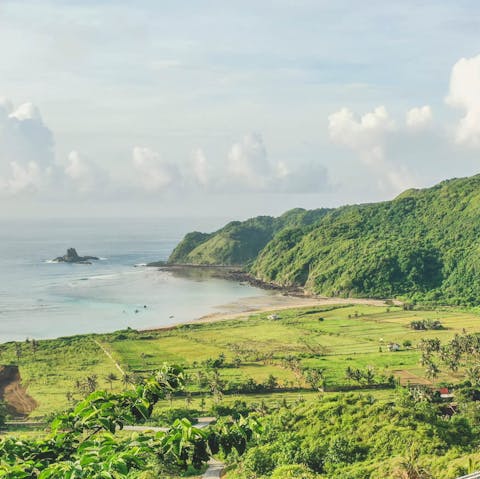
{"x": 424, "y": 245}
{"x": 239, "y": 242}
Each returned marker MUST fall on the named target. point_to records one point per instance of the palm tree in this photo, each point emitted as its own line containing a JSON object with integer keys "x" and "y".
{"x": 110, "y": 378}
{"x": 144, "y": 360}
{"x": 369, "y": 375}
{"x": 127, "y": 379}
{"x": 409, "y": 468}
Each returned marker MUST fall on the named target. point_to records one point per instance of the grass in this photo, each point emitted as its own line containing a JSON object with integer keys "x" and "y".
{"x": 330, "y": 338}
{"x": 53, "y": 369}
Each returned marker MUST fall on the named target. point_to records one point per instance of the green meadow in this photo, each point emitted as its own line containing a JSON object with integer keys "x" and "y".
{"x": 328, "y": 339}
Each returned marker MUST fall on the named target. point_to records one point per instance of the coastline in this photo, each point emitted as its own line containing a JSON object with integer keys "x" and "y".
{"x": 242, "y": 309}
{"x": 230, "y": 273}
{"x": 281, "y": 298}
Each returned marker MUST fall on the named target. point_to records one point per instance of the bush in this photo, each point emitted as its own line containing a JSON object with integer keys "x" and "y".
{"x": 259, "y": 460}
{"x": 295, "y": 471}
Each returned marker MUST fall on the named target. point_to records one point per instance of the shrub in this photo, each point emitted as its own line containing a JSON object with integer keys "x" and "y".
{"x": 295, "y": 471}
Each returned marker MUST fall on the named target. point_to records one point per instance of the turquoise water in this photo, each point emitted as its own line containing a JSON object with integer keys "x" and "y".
{"x": 40, "y": 299}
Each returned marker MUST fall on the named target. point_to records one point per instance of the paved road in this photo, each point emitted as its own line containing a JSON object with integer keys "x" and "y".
{"x": 475, "y": 475}
{"x": 214, "y": 470}
{"x": 202, "y": 422}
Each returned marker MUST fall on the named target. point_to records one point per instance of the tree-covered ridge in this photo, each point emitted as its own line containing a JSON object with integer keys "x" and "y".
{"x": 238, "y": 242}
{"x": 424, "y": 245}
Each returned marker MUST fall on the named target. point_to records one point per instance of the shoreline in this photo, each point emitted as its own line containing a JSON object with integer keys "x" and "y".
{"x": 229, "y": 273}
{"x": 242, "y": 309}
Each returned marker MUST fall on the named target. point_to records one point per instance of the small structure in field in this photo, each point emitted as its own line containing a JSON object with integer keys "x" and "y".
{"x": 273, "y": 316}
{"x": 445, "y": 393}
{"x": 393, "y": 347}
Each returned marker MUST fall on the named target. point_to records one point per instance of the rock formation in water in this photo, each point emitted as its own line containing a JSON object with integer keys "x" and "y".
{"x": 72, "y": 257}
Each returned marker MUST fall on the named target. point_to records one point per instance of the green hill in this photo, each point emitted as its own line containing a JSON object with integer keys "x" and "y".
{"x": 424, "y": 244}
{"x": 239, "y": 242}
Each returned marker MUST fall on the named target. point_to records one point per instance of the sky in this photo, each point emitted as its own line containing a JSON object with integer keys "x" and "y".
{"x": 232, "y": 109}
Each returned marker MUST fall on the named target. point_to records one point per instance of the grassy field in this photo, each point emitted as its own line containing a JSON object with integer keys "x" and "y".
{"x": 330, "y": 338}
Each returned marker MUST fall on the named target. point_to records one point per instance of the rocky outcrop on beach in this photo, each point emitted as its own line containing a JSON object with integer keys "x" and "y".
{"x": 73, "y": 257}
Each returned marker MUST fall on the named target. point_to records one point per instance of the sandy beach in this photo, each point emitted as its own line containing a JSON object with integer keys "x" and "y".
{"x": 245, "y": 307}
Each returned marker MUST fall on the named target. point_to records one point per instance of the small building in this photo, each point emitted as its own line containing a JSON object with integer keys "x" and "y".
{"x": 393, "y": 347}
{"x": 273, "y": 316}
{"x": 445, "y": 393}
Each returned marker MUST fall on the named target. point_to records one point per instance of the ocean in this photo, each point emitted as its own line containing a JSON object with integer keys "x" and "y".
{"x": 40, "y": 299}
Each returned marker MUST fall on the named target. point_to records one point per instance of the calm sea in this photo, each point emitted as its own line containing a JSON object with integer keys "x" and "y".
{"x": 40, "y": 299}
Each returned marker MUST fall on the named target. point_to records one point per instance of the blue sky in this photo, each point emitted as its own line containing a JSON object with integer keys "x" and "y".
{"x": 232, "y": 108}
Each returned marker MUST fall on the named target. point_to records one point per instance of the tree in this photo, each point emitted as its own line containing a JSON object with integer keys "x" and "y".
{"x": 127, "y": 380}
{"x": 316, "y": 378}
{"x": 111, "y": 378}
{"x": 409, "y": 468}
{"x": 431, "y": 370}
{"x": 271, "y": 382}
{"x": 18, "y": 351}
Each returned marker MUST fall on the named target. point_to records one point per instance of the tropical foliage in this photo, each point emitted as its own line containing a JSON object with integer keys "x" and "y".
{"x": 84, "y": 444}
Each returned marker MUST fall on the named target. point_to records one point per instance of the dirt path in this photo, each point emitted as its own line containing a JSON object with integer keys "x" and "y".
{"x": 108, "y": 354}
{"x": 18, "y": 402}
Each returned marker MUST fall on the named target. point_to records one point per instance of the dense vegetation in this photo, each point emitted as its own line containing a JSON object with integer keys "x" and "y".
{"x": 305, "y": 393}
{"x": 238, "y": 242}
{"x": 423, "y": 245}
{"x": 355, "y": 436}
{"x": 84, "y": 442}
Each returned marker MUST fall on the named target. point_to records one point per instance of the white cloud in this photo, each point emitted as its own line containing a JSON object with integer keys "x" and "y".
{"x": 464, "y": 93}
{"x": 155, "y": 174}
{"x": 419, "y": 118}
{"x": 26, "y": 149}
{"x": 368, "y": 136}
{"x": 200, "y": 168}
{"x": 248, "y": 163}
{"x": 249, "y": 169}
{"x": 27, "y": 158}
{"x": 365, "y": 134}
{"x": 82, "y": 174}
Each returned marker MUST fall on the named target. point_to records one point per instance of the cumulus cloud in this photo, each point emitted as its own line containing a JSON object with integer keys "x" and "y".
{"x": 201, "y": 168}
{"x": 26, "y": 149}
{"x": 365, "y": 134}
{"x": 464, "y": 93}
{"x": 248, "y": 163}
{"x": 155, "y": 174}
{"x": 83, "y": 175}
{"x": 28, "y": 163}
{"x": 419, "y": 118}
{"x": 250, "y": 169}
{"x": 368, "y": 137}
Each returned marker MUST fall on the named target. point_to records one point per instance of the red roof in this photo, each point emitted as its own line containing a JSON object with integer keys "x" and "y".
{"x": 443, "y": 391}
